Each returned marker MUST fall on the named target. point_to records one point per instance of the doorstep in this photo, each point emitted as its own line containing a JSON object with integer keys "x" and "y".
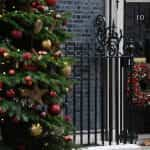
{"x": 119, "y": 147}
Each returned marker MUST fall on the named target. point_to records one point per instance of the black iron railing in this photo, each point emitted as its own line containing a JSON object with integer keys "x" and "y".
{"x": 98, "y": 103}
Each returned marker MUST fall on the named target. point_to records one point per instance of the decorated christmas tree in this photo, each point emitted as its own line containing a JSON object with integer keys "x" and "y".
{"x": 34, "y": 75}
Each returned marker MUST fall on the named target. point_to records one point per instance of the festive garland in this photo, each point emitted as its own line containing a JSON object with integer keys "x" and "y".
{"x": 138, "y": 83}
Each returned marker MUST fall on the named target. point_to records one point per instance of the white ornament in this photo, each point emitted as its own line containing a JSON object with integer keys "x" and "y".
{"x": 58, "y": 16}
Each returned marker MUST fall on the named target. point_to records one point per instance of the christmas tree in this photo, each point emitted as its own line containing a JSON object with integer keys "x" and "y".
{"x": 34, "y": 75}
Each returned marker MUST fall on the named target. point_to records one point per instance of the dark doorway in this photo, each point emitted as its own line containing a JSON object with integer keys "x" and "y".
{"x": 137, "y": 27}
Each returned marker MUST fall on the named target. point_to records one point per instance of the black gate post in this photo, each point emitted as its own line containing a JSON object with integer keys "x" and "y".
{"x": 117, "y": 120}
{"x": 131, "y": 108}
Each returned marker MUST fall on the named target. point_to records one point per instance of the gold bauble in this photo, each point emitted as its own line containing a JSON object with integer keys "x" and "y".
{"x": 38, "y": 26}
{"x": 36, "y": 129}
{"x": 67, "y": 70}
{"x": 47, "y": 44}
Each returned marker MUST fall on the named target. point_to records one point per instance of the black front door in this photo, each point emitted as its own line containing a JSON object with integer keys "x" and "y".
{"x": 137, "y": 27}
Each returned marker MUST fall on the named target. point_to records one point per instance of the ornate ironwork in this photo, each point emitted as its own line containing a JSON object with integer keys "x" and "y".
{"x": 108, "y": 39}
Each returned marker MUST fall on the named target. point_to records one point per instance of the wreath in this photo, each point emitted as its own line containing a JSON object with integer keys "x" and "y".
{"x": 139, "y": 84}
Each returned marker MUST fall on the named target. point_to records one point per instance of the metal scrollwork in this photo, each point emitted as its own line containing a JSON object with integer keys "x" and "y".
{"x": 108, "y": 39}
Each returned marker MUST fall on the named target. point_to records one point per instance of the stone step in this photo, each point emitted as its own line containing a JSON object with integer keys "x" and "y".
{"x": 118, "y": 147}
{"x": 144, "y": 139}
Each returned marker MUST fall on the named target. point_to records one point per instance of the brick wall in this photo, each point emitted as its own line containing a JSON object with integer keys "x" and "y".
{"x": 83, "y": 17}
{"x": 84, "y": 13}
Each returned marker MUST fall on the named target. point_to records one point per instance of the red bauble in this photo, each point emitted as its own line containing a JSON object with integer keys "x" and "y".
{"x": 55, "y": 109}
{"x": 11, "y": 72}
{"x": 10, "y": 93}
{"x": 51, "y": 2}
{"x": 1, "y": 85}
{"x": 53, "y": 93}
{"x": 28, "y": 78}
{"x": 68, "y": 138}
{"x": 16, "y": 34}
{"x": 27, "y": 56}
{"x": 2, "y": 51}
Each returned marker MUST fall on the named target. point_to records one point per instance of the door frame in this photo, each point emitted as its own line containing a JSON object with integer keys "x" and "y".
{"x": 114, "y": 12}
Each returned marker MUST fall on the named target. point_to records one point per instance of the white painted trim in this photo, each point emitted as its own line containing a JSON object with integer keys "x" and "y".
{"x": 107, "y": 12}
{"x": 120, "y": 20}
{"x": 117, "y": 16}
{"x": 113, "y": 11}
